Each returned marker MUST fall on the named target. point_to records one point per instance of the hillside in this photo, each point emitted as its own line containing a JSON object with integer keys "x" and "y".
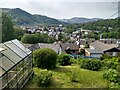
{"x": 77, "y": 20}
{"x": 102, "y": 25}
{"x": 22, "y": 17}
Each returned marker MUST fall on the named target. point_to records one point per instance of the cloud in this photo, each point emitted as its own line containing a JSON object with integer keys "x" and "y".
{"x": 65, "y": 8}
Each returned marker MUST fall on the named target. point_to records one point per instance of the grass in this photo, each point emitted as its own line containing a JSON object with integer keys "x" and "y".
{"x": 82, "y": 78}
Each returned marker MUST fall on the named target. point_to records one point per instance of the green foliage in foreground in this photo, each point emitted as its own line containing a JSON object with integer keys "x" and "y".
{"x": 45, "y": 58}
{"x": 64, "y": 59}
{"x": 72, "y": 77}
{"x": 112, "y": 75}
{"x": 91, "y": 64}
{"x": 43, "y": 77}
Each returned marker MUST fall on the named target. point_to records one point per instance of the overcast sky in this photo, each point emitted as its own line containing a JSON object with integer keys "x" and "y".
{"x": 66, "y": 9}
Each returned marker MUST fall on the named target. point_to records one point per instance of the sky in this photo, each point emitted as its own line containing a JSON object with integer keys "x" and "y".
{"x": 66, "y": 9}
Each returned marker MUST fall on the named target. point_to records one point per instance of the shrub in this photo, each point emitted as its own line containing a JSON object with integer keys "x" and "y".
{"x": 90, "y": 64}
{"x": 112, "y": 76}
{"x": 73, "y": 61}
{"x": 64, "y": 60}
{"x": 44, "y": 78}
{"x": 45, "y": 58}
{"x": 112, "y": 63}
{"x": 104, "y": 56}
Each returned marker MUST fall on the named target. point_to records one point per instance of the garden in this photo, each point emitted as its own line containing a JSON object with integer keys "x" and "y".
{"x": 62, "y": 71}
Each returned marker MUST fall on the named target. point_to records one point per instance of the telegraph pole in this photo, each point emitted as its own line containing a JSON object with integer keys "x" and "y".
{"x": 80, "y": 36}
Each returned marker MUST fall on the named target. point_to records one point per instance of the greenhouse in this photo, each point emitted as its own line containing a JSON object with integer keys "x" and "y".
{"x": 15, "y": 64}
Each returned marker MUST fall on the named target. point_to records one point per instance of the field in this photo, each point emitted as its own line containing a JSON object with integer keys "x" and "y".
{"x": 62, "y": 78}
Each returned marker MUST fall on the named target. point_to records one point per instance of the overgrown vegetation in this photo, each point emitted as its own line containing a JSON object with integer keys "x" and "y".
{"x": 91, "y": 64}
{"x": 42, "y": 77}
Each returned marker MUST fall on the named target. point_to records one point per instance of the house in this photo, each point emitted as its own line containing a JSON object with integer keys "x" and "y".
{"x": 69, "y": 48}
{"x": 53, "y": 46}
{"x": 98, "y": 48}
{"x": 93, "y": 52}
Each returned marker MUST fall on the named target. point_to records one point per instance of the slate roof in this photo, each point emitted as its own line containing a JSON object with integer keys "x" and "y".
{"x": 71, "y": 46}
{"x": 55, "y": 47}
{"x": 102, "y": 46}
{"x": 95, "y": 51}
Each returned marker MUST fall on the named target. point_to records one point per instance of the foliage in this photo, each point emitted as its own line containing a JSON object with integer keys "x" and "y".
{"x": 112, "y": 63}
{"x": 64, "y": 59}
{"x": 37, "y": 38}
{"x": 61, "y": 78}
{"x": 73, "y": 76}
{"x": 70, "y": 28}
{"x": 105, "y": 56}
{"x": 43, "y": 78}
{"x": 29, "y": 38}
{"x": 45, "y": 58}
{"x": 91, "y": 64}
{"x": 18, "y": 32}
{"x": 112, "y": 76}
{"x": 82, "y": 52}
{"x": 73, "y": 61}
{"x": 60, "y": 36}
{"x": 7, "y": 28}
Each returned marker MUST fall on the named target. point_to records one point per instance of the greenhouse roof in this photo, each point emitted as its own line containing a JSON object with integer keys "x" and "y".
{"x": 11, "y": 53}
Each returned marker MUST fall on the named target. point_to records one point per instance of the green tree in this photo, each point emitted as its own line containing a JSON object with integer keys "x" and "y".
{"x": 18, "y": 32}
{"x": 60, "y": 37}
{"x": 30, "y": 38}
{"x": 45, "y": 58}
{"x": 7, "y": 28}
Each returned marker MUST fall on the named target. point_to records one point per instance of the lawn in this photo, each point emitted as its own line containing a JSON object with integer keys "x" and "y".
{"x": 83, "y": 78}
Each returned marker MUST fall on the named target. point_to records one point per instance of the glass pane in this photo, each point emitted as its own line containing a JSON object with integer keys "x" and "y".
{"x": 6, "y": 63}
{"x": 0, "y": 83}
{"x": 1, "y": 71}
{"x": 11, "y": 55}
{"x": 21, "y": 46}
{"x": 12, "y": 74}
{"x": 4, "y": 80}
{"x": 16, "y": 49}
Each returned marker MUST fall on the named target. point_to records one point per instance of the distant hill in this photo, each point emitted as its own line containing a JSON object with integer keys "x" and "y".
{"x": 22, "y": 17}
{"x": 77, "y": 20}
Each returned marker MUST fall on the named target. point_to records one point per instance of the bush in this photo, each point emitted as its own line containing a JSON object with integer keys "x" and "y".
{"x": 44, "y": 78}
{"x": 73, "y": 61}
{"x": 104, "y": 56}
{"x": 112, "y": 63}
{"x": 45, "y": 58}
{"x": 112, "y": 76}
{"x": 64, "y": 59}
{"x": 90, "y": 64}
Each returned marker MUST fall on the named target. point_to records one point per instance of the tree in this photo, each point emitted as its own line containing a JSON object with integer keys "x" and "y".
{"x": 60, "y": 37}
{"x": 29, "y": 38}
{"x": 7, "y": 28}
{"x": 64, "y": 59}
{"x": 45, "y": 58}
{"x": 82, "y": 52}
{"x": 18, "y": 32}
{"x": 37, "y": 38}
